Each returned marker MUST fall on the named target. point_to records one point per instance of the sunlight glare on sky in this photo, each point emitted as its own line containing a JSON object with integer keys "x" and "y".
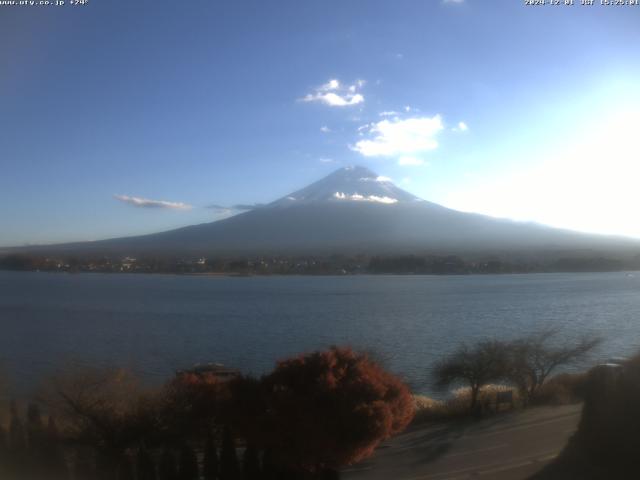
{"x": 589, "y": 184}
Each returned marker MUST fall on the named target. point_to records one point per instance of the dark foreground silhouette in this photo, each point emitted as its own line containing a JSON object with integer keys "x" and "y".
{"x": 607, "y": 443}
{"x": 310, "y": 416}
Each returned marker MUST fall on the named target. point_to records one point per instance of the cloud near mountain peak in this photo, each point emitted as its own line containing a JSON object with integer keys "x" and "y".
{"x": 148, "y": 203}
{"x": 400, "y": 137}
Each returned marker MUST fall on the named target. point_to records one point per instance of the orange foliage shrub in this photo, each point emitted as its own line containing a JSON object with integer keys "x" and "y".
{"x": 330, "y": 409}
{"x": 193, "y": 404}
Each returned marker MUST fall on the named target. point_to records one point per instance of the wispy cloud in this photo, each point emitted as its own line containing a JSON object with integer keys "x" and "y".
{"x": 452, "y": 1}
{"x": 147, "y": 203}
{"x": 237, "y": 207}
{"x": 326, "y": 160}
{"x": 325, "y": 129}
{"x": 401, "y": 138}
{"x": 461, "y": 127}
{"x": 335, "y": 94}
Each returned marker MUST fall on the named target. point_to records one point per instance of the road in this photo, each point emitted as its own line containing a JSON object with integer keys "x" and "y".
{"x": 504, "y": 447}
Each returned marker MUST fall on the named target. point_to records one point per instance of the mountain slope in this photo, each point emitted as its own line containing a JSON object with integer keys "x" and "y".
{"x": 353, "y": 210}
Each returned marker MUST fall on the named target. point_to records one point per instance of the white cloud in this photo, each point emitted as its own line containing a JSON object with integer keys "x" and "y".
{"x": 335, "y": 100}
{"x": 334, "y": 94}
{"x": 147, "y": 203}
{"x": 327, "y": 160}
{"x": 401, "y": 137}
{"x": 461, "y": 127}
{"x": 330, "y": 85}
{"x": 356, "y": 197}
{"x": 325, "y": 129}
{"x": 452, "y": 1}
{"x": 389, "y": 113}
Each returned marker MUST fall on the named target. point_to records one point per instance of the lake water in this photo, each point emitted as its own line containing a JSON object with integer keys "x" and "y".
{"x": 159, "y": 323}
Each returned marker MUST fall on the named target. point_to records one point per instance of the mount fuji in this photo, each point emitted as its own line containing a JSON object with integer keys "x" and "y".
{"x": 352, "y": 210}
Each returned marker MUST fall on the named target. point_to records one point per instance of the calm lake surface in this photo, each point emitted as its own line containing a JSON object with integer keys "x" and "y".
{"x": 159, "y": 323}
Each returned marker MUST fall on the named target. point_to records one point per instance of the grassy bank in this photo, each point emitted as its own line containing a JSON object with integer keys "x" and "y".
{"x": 562, "y": 389}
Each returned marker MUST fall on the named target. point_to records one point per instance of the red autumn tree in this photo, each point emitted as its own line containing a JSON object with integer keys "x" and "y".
{"x": 192, "y": 404}
{"x": 329, "y": 409}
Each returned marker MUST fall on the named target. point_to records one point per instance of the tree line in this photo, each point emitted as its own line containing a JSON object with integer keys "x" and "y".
{"x": 310, "y": 416}
{"x": 526, "y": 363}
{"x": 427, "y": 264}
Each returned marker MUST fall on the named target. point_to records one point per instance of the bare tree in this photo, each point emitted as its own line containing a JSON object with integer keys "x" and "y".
{"x": 472, "y": 366}
{"x": 104, "y": 409}
{"x": 532, "y": 359}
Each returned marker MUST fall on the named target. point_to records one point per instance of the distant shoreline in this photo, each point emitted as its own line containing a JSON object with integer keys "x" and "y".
{"x": 629, "y": 272}
{"x": 331, "y": 264}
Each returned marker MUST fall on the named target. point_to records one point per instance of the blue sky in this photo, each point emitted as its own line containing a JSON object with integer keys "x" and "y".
{"x": 113, "y": 107}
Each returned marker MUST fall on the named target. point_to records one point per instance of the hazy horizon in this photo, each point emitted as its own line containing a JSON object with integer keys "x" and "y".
{"x": 123, "y": 119}
{"x": 232, "y": 210}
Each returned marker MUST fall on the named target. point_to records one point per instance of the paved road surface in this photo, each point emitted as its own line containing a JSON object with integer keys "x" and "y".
{"x": 504, "y": 447}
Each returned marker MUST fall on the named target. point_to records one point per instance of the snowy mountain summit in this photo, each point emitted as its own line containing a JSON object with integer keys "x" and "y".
{"x": 349, "y": 184}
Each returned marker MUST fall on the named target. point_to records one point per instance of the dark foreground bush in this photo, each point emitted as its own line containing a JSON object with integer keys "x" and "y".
{"x": 562, "y": 389}
{"x": 607, "y": 442}
{"x": 312, "y": 415}
{"x": 329, "y": 409}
